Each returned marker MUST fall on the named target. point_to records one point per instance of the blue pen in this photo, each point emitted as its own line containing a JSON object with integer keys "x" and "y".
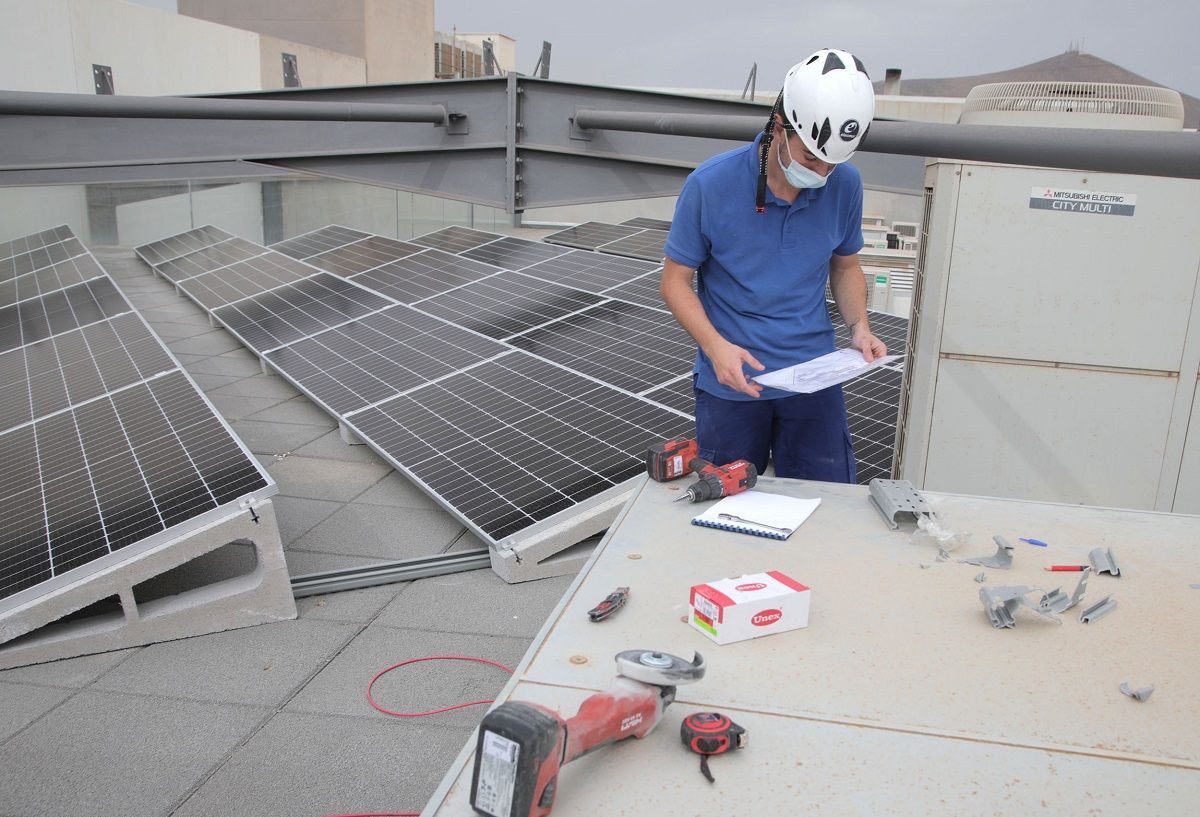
{"x": 1037, "y": 542}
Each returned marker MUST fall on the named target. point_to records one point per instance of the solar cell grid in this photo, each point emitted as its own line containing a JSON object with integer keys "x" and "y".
{"x": 647, "y": 244}
{"x": 679, "y": 395}
{"x": 872, "y": 407}
{"x": 208, "y": 259}
{"x": 59, "y": 276}
{"x": 33, "y": 320}
{"x": 455, "y": 239}
{"x": 513, "y": 253}
{"x": 589, "y": 271}
{"x": 622, "y": 344}
{"x": 28, "y": 243}
{"x": 359, "y": 256}
{"x": 244, "y": 279}
{"x": 506, "y": 443}
{"x": 379, "y": 356}
{"x": 39, "y": 258}
{"x": 156, "y": 252}
{"x": 318, "y": 241}
{"x": 423, "y": 275}
{"x": 590, "y": 234}
{"x": 75, "y": 366}
{"x": 643, "y": 290}
{"x": 647, "y": 223}
{"x": 289, "y": 313}
{"x": 109, "y": 473}
{"x": 506, "y": 303}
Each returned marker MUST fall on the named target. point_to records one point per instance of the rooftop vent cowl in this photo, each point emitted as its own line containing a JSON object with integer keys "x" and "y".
{"x": 1074, "y": 105}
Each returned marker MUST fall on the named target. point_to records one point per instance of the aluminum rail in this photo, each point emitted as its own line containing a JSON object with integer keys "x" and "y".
{"x": 354, "y": 578}
{"x": 23, "y": 103}
{"x": 1148, "y": 153}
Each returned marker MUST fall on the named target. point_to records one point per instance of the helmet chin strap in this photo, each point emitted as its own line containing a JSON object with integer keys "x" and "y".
{"x": 764, "y": 151}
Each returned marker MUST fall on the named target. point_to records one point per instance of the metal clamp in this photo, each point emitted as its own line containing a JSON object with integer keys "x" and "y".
{"x": 1002, "y": 559}
{"x": 1056, "y": 601}
{"x": 1001, "y": 604}
{"x": 893, "y": 496}
{"x": 1098, "y": 610}
{"x": 1104, "y": 561}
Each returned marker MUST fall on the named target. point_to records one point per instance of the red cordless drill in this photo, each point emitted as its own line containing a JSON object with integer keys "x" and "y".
{"x": 678, "y": 456}
{"x": 522, "y": 746}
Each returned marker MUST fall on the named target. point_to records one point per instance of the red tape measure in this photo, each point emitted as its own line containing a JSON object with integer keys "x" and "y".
{"x": 710, "y": 733}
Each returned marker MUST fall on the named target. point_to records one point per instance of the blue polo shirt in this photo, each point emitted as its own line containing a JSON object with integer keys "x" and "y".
{"x": 762, "y": 276}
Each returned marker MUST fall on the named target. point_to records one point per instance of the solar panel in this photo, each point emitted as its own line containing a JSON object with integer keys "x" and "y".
{"x": 872, "y": 404}
{"x": 423, "y": 275}
{"x": 33, "y": 320}
{"x": 643, "y": 290}
{"x": 156, "y": 252}
{"x": 29, "y": 243}
{"x": 39, "y": 258}
{"x": 516, "y": 440}
{"x": 208, "y": 259}
{"x": 244, "y": 279}
{"x": 379, "y": 356}
{"x": 647, "y": 244}
{"x": 507, "y": 303}
{"x": 105, "y": 442}
{"x": 455, "y": 239}
{"x": 513, "y": 253}
{"x": 359, "y": 256}
{"x": 110, "y": 472}
{"x": 647, "y": 223}
{"x": 590, "y": 234}
{"x": 589, "y": 271}
{"x": 67, "y": 369}
{"x": 622, "y": 344}
{"x": 679, "y": 395}
{"x": 289, "y": 313}
{"x": 48, "y": 279}
{"x": 317, "y": 241}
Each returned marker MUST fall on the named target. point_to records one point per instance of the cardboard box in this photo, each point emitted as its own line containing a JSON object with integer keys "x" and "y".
{"x": 749, "y": 606}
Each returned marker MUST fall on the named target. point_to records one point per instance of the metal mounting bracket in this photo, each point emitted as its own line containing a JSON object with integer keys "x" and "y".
{"x": 1056, "y": 601}
{"x": 1098, "y": 610}
{"x": 1001, "y": 604}
{"x": 1104, "y": 561}
{"x": 893, "y": 496}
{"x": 456, "y": 123}
{"x": 1002, "y": 560}
{"x": 577, "y": 132}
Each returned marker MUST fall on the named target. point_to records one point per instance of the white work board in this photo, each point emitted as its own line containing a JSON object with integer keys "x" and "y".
{"x": 899, "y": 697}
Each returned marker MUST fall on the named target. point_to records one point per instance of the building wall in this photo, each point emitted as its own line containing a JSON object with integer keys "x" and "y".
{"x": 26, "y": 210}
{"x": 399, "y": 40}
{"x": 318, "y": 67}
{"x": 153, "y": 53}
{"x": 35, "y": 46}
{"x": 334, "y": 25}
{"x": 394, "y": 37}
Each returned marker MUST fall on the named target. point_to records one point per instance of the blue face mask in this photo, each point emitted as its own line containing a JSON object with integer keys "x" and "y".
{"x": 797, "y": 174}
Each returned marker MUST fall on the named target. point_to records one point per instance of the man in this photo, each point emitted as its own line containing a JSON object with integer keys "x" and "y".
{"x": 765, "y": 226}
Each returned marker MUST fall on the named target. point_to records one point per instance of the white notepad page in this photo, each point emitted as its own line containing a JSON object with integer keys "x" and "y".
{"x": 771, "y": 513}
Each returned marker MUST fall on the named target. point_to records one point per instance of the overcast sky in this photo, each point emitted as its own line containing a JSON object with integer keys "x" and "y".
{"x": 713, "y": 43}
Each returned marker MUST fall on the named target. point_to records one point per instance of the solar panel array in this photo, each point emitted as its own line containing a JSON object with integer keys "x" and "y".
{"x": 107, "y": 446}
{"x": 637, "y": 238}
{"x": 512, "y": 378}
{"x": 455, "y": 356}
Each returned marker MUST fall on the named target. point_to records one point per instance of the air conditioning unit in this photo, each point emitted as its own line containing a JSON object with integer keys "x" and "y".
{"x": 1074, "y": 105}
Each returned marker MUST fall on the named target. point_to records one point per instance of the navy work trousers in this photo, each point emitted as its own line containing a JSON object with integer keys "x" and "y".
{"x": 805, "y": 434}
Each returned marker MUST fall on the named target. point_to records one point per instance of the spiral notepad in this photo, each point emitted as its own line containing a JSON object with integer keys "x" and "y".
{"x": 758, "y": 514}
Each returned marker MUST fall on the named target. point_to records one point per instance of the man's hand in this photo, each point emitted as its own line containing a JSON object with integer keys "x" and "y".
{"x": 865, "y": 342}
{"x": 727, "y": 360}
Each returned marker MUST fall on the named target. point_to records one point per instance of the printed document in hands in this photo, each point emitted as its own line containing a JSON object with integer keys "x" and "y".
{"x": 822, "y": 372}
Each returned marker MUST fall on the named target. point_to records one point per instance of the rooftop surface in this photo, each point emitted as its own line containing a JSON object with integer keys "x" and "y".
{"x": 274, "y": 719}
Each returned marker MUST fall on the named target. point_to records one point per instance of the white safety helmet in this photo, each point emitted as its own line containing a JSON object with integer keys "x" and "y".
{"x": 829, "y": 101}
